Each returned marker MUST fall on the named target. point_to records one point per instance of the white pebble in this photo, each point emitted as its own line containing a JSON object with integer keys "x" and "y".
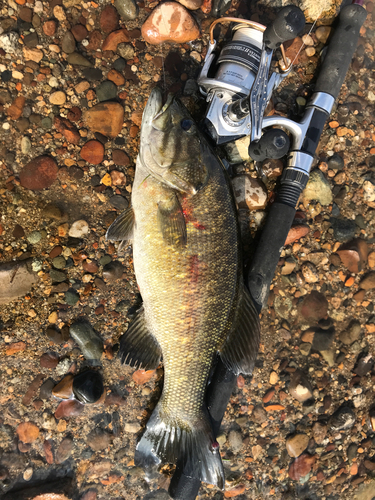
{"x": 28, "y": 474}
{"x": 78, "y": 229}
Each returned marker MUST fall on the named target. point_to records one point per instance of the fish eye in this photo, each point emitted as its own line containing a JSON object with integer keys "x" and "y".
{"x": 186, "y": 124}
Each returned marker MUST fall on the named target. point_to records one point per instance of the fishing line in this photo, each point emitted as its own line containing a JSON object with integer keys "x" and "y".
{"x": 312, "y": 27}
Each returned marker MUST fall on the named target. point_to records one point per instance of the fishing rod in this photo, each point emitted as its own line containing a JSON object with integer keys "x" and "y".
{"x": 237, "y": 97}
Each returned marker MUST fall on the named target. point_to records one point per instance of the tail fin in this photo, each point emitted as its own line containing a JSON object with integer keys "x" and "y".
{"x": 165, "y": 440}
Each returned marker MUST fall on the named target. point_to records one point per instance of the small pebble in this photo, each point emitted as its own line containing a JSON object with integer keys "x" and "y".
{"x": 79, "y": 229}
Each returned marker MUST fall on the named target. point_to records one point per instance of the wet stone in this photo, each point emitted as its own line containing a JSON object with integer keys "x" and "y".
{"x": 300, "y": 387}
{"x": 34, "y": 237}
{"x": 39, "y": 173}
{"x": 59, "y": 262}
{"x": 364, "y": 364}
{"x": 89, "y": 342}
{"x": 323, "y": 339}
{"x": 49, "y": 360}
{"x": 314, "y": 306}
{"x": 79, "y": 229}
{"x": 126, "y": 51}
{"x": 343, "y": 419}
{"x": 88, "y": 386}
{"x": 127, "y": 9}
{"x": 92, "y": 74}
{"x": 68, "y": 43}
{"x": 319, "y": 432}
{"x": 45, "y": 392}
{"x": 368, "y": 282}
{"x": 106, "y": 91}
{"x": 98, "y": 439}
{"x": 351, "y": 333}
{"x": 297, "y": 444}
{"x": 109, "y": 19}
{"x": 235, "y": 441}
{"x": 343, "y": 229}
{"x": 64, "y": 450}
{"x": 317, "y": 189}
{"x": 71, "y": 297}
{"x": 77, "y": 59}
{"x": 57, "y": 276}
{"x": 301, "y": 466}
{"x": 70, "y": 408}
{"x": 113, "y": 271}
{"x": 335, "y": 162}
{"x": 27, "y": 432}
{"x": 119, "y": 202}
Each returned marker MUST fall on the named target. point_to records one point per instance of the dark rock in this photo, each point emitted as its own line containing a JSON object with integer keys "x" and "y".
{"x": 88, "y": 386}
{"x": 300, "y": 387}
{"x": 323, "y": 339}
{"x": 71, "y": 297}
{"x": 106, "y": 91}
{"x": 335, "y": 162}
{"x": 79, "y": 32}
{"x": 70, "y": 408}
{"x": 343, "y": 229}
{"x": 68, "y": 43}
{"x": 351, "y": 333}
{"x": 364, "y": 364}
{"x": 352, "y": 451}
{"x": 92, "y": 74}
{"x": 314, "y": 306}
{"x": 119, "y": 202}
{"x": 46, "y": 388}
{"x": 87, "y": 339}
{"x": 49, "y": 360}
{"x": 113, "y": 271}
{"x": 57, "y": 276}
{"x": 342, "y": 419}
{"x": 31, "y": 40}
{"x": 119, "y": 64}
{"x": 109, "y": 19}
{"x": 64, "y": 450}
{"x": 18, "y": 232}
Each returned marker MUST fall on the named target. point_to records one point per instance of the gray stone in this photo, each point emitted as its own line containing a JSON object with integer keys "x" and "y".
{"x": 9, "y": 42}
{"x": 25, "y": 145}
{"x": 125, "y": 50}
{"x": 16, "y": 279}
{"x": 68, "y": 43}
{"x": 113, "y": 271}
{"x": 335, "y": 162}
{"x": 46, "y": 122}
{"x": 92, "y": 74}
{"x": 351, "y": 333}
{"x": 89, "y": 342}
{"x": 106, "y": 91}
{"x": 31, "y": 40}
{"x": 235, "y": 441}
{"x": 323, "y": 339}
{"x": 59, "y": 262}
{"x": 317, "y": 189}
{"x": 57, "y": 276}
{"x": 119, "y": 202}
{"x": 343, "y": 229}
{"x": 76, "y": 59}
{"x": 34, "y": 237}
{"x": 127, "y": 9}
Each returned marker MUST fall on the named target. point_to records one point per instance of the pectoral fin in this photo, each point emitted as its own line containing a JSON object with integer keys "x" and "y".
{"x": 138, "y": 347}
{"x": 171, "y": 221}
{"x": 122, "y": 227}
{"x": 241, "y": 347}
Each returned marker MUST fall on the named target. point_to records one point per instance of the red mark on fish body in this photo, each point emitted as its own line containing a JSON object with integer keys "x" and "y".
{"x": 187, "y": 210}
{"x": 194, "y": 268}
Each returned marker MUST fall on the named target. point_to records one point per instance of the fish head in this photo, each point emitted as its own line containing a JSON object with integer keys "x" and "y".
{"x": 171, "y": 145}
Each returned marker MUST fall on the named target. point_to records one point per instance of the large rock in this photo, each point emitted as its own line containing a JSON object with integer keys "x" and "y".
{"x": 320, "y": 10}
{"x": 249, "y": 192}
{"x": 16, "y": 279}
{"x": 170, "y": 22}
{"x": 39, "y": 173}
{"x": 107, "y": 118}
{"x": 317, "y": 189}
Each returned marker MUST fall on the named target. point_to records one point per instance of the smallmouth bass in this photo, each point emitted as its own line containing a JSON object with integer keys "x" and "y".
{"x": 187, "y": 261}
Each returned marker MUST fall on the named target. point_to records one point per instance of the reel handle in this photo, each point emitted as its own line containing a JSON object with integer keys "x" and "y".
{"x": 289, "y": 22}
{"x": 341, "y": 49}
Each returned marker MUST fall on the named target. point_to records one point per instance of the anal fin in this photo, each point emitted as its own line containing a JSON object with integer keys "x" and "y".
{"x": 171, "y": 221}
{"x": 122, "y": 228}
{"x": 241, "y": 347}
{"x": 138, "y": 347}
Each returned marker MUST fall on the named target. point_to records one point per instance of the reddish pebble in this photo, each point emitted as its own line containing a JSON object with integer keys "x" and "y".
{"x": 93, "y": 152}
{"x": 55, "y": 252}
{"x": 143, "y": 376}
{"x": 354, "y": 255}
{"x": 95, "y": 39}
{"x": 240, "y": 382}
{"x": 118, "y": 178}
{"x": 301, "y": 466}
{"x": 39, "y": 173}
{"x": 206, "y": 6}
{"x": 234, "y": 492}
{"x": 26, "y": 14}
{"x": 115, "y": 77}
{"x": 79, "y": 32}
{"x": 89, "y": 495}
{"x": 67, "y": 129}
{"x": 31, "y": 391}
{"x": 16, "y": 108}
{"x": 49, "y": 360}
{"x": 14, "y": 348}
{"x": 24, "y": 448}
{"x": 296, "y": 233}
{"x": 48, "y": 450}
{"x": 49, "y": 27}
{"x": 120, "y": 158}
{"x": 64, "y": 450}
{"x": 99, "y": 310}
{"x": 27, "y": 432}
{"x": 116, "y": 37}
{"x": 69, "y": 408}
{"x": 64, "y": 389}
{"x": 106, "y": 118}
{"x": 133, "y": 132}
{"x": 74, "y": 114}
{"x": 109, "y": 19}
{"x": 90, "y": 267}
{"x": 269, "y": 395}
{"x": 114, "y": 399}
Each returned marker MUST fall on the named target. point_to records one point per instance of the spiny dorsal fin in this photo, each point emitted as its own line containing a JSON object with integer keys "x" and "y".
{"x": 171, "y": 221}
{"x": 122, "y": 227}
{"x": 241, "y": 347}
{"x": 138, "y": 347}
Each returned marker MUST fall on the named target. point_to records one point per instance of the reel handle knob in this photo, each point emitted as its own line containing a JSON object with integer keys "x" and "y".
{"x": 289, "y": 22}
{"x": 273, "y": 144}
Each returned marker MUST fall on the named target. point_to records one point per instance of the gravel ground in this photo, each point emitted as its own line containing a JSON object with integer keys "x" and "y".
{"x": 303, "y": 425}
